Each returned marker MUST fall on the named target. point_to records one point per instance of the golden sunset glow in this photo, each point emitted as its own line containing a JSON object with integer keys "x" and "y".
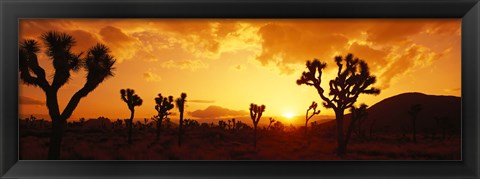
{"x": 226, "y": 64}
{"x": 288, "y": 115}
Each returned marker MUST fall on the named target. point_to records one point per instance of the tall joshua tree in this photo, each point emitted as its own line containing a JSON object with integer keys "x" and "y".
{"x": 353, "y": 78}
{"x": 358, "y": 116}
{"x": 256, "y": 112}
{"x": 413, "y": 111}
{"x": 132, "y": 100}
{"x": 313, "y": 107}
{"x": 97, "y": 62}
{"x": 163, "y": 105}
{"x": 181, "y": 106}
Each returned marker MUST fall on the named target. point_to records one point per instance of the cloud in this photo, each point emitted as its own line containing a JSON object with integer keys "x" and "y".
{"x": 150, "y": 76}
{"x": 84, "y": 40}
{"x": 200, "y": 101}
{"x": 216, "y": 112}
{"x": 192, "y": 65}
{"x": 286, "y": 43}
{"x": 122, "y": 46}
{"x": 238, "y": 67}
{"x": 387, "y": 46}
{"x": 384, "y": 32}
{"x": 281, "y": 44}
{"x": 33, "y": 28}
{"x": 453, "y": 90}
{"x": 30, "y": 101}
{"x": 404, "y": 61}
{"x": 376, "y": 57}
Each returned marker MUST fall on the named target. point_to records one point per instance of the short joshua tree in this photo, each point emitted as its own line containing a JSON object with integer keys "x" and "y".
{"x": 256, "y": 112}
{"x": 313, "y": 107}
{"x": 181, "y": 106}
{"x": 271, "y": 120}
{"x": 163, "y": 105}
{"x": 132, "y": 100}
{"x": 358, "y": 116}
{"x": 413, "y": 111}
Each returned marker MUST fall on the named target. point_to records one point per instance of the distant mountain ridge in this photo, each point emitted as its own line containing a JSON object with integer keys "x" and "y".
{"x": 391, "y": 114}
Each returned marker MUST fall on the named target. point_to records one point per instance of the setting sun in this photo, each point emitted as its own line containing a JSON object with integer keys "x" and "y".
{"x": 288, "y": 115}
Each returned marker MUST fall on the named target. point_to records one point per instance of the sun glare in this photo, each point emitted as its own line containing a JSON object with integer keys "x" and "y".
{"x": 288, "y": 115}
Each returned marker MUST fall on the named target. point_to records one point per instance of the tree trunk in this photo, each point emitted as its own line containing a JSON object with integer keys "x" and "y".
{"x": 57, "y": 125}
{"x": 349, "y": 131}
{"x": 180, "y": 129}
{"x": 371, "y": 129}
{"x": 56, "y": 139}
{"x": 255, "y": 136}
{"x": 306, "y": 127}
{"x": 132, "y": 112}
{"x": 414, "y": 130}
{"x": 444, "y": 132}
{"x": 361, "y": 135}
{"x": 341, "y": 147}
{"x": 159, "y": 128}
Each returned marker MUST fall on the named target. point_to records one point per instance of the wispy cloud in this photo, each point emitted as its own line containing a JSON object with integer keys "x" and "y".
{"x": 200, "y": 101}
{"x": 453, "y": 90}
{"x": 150, "y": 76}
{"x": 192, "y": 65}
{"x": 30, "y": 101}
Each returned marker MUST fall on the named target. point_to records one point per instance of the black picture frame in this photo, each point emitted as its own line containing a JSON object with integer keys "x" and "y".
{"x": 467, "y": 10}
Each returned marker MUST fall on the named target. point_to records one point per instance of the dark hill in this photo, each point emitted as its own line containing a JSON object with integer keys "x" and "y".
{"x": 391, "y": 114}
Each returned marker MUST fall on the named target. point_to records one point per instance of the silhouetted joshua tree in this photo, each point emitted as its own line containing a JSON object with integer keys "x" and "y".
{"x": 97, "y": 62}
{"x": 256, "y": 112}
{"x": 132, "y": 100}
{"x": 234, "y": 124}
{"x": 190, "y": 124}
{"x": 353, "y": 78}
{"x": 229, "y": 125}
{"x": 271, "y": 120}
{"x": 118, "y": 124}
{"x": 313, "y": 107}
{"x": 443, "y": 124}
{"x": 145, "y": 123}
{"x": 163, "y": 105}
{"x": 168, "y": 123}
{"x": 222, "y": 124}
{"x": 181, "y": 106}
{"x": 82, "y": 121}
{"x": 413, "y": 111}
{"x": 31, "y": 121}
{"x": 358, "y": 115}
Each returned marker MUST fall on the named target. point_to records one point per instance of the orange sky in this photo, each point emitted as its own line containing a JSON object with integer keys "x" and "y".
{"x": 224, "y": 65}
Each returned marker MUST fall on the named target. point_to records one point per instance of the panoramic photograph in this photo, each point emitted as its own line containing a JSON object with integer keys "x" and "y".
{"x": 239, "y": 89}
